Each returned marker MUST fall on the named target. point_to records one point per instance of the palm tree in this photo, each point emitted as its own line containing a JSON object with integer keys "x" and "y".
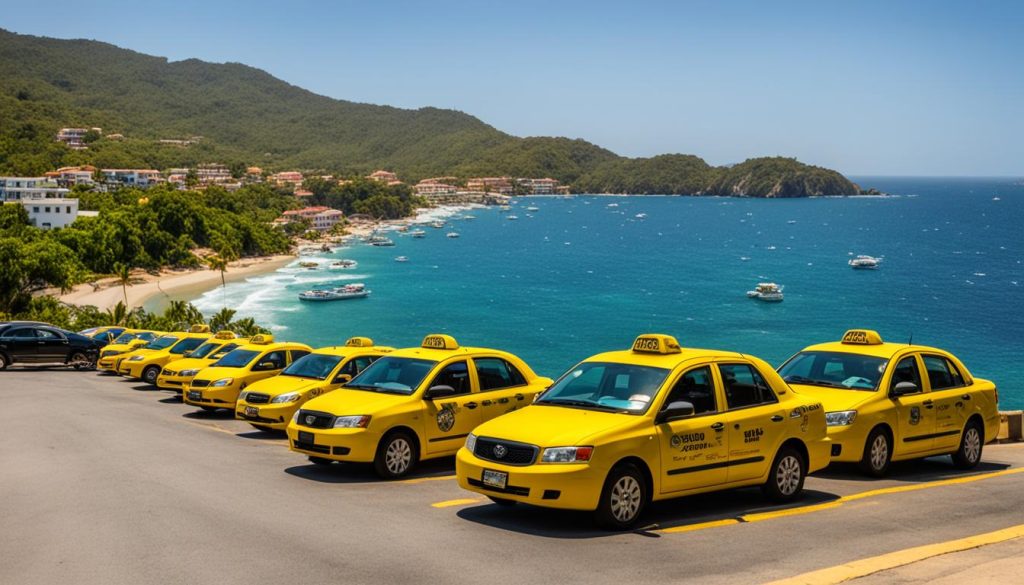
{"x": 123, "y": 274}
{"x": 218, "y": 263}
{"x": 222, "y": 319}
{"x": 118, "y": 314}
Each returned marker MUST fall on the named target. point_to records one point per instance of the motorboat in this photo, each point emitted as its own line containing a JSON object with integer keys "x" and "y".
{"x": 341, "y": 293}
{"x": 344, "y": 263}
{"x": 381, "y": 241}
{"x": 504, "y": 208}
{"x": 401, "y": 259}
{"x": 437, "y": 224}
{"x": 418, "y": 233}
{"x": 468, "y": 216}
{"x": 613, "y": 205}
{"x": 766, "y": 291}
{"x": 452, "y": 234}
{"x": 533, "y": 208}
{"x": 864, "y": 262}
{"x": 513, "y": 217}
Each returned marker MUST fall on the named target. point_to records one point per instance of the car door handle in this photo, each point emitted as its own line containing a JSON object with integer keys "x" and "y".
{"x": 965, "y": 397}
{"x": 520, "y": 397}
{"x": 928, "y": 403}
{"x": 503, "y": 401}
{"x": 718, "y": 426}
{"x": 470, "y": 405}
{"x": 486, "y": 403}
{"x": 777, "y": 418}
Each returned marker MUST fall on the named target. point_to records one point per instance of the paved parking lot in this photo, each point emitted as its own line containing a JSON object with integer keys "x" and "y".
{"x": 108, "y": 481}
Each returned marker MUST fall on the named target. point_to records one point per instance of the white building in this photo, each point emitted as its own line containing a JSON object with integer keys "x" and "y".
{"x": 17, "y": 188}
{"x": 327, "y": 219}
{"x": 50, "y": 212}
{"x": 75, "y": 137}
{"x": 132, "y": 177}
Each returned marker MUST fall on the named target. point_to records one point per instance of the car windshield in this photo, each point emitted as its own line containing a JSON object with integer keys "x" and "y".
{"x": 225, "y": 349}
{"x": 205, "y": 350}
{"x": 187, "y": 345}
{"x": 124, "y": 338}
{"x": 238, "y": 358}
{"x": 314, "y": 365}
{"x": 833, "y": 369}
{"x": 604, "y": 386}
{"x": 393, "y": 374}
{"x": 162, "y": 342}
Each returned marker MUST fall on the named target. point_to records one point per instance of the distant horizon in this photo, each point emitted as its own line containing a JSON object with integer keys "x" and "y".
{"x": 922, "y": 89}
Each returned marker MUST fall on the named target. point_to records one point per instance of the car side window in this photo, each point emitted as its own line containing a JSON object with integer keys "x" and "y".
{"x": 695, "y": 387}
{"x": 941, "y": 373}
{"x": 744, "y": 386}
{"x": 356, "y": 365}
{"x": 297, "y": 353}
{"x": 496, "y": 373}
{"x": 275, "y": 357}
{"x": 46, "y": 335}
{"x": 906, "y": 371}
{"x": 23, "y": 333}
{"x": 455, "y": 375}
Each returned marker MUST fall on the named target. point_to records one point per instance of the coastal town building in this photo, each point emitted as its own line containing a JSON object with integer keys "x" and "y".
{"x": 327, "y": 219}
{"x": 546, "y": 186}
{"x": 319, "y": 217}
{"x": 18, "y": 188}
{"x": 502, "y": 185}
{"x": 75, "y": 137}
{"x": 430, "y": 188}
{"x": 49, "y": 212}
{"x": 131, "y": 177}
{"x": 287, "y": 178}
{"x": 71, "y": 176}
{"x": 211, "y": 173}
{"x": 384, "y": 176}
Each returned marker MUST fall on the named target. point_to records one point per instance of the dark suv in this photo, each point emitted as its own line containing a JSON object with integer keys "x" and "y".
{"x": 31, "y": 342}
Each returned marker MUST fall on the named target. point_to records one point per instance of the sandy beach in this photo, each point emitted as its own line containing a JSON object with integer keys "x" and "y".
{"x": 171, "y": 283}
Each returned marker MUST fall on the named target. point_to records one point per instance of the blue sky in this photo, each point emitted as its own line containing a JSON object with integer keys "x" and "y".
{"x": 901, "y": 88}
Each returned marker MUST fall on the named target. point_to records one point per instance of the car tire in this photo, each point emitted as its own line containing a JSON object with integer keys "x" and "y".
{"x": 623, "y": 498}
{"x": 78, "y": 360}
{"x": 786, "y": 476}
{"x": 150, "y": 374}
{"x": 877, "y": 453}
{"x": 972, "y": 441}
{"x": 396, "y": 455}
{"x": 502, "y": 501}
{"x": 3, "y": 361}
{"x": 319, "y": 460}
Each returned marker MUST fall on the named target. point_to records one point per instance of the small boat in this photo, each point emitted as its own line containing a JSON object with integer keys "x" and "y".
{"x": 452, "y": 234}
{"x": 437, "y": 224}
{"x": 418, "y": 233}
{"x": 640, "y": 215}
{"x": 401, "y": 259}
{"x": 349, "y": 291}
{"x": 380, "y": 241}
{"x": 532, "y": 208}
{"x": 403, "y": 228}
{"x": 766, "y": 291}
{"x": 512, "y": 217}
{"x": 344, "y": 263}
{"x": 791, "y": 222}
{"x": 504, "y": 208}
{"x": 613, "y": 205}
{"x": 467, "y": 216}
{"x": 864, "y": 262}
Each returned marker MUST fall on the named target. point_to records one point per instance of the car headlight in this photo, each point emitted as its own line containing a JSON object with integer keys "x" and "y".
{"x": 188, "y": 373}
{"x": 471, "y": 443}
{"x": 136, "y": 358}
{"x": 840, "y": 418}
{"x": 567, "y": 454}
{"x": 352, "y": 422}
{"x": 222, "y": 382}
{"x": 289, "y": 397}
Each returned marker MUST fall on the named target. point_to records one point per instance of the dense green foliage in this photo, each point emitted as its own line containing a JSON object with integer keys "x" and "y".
{"x": 779, "y": 177}
{"x": 365, "y": 196}
{"x": 135, "y": 228}
{"x": 246, "y": 116}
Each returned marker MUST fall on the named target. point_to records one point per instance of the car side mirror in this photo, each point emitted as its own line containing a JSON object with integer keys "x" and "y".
{"x": 675, "y": 411}
{"x": 267, "y": 366}
{"x": 186, "y": 354}
{"x": 442, "y": 391}
{"x": 342, "y": 379}
{"x": 903, "y": 388}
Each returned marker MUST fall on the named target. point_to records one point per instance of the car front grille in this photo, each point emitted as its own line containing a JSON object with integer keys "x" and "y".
{"x": 199, "y": 383}
{"x": 109, "y": 352}
{"x": 315, "y": 419}
{"x": 511, "y": 452}
{"x": 257, "y": 398}
{"x": 311, "y": 447}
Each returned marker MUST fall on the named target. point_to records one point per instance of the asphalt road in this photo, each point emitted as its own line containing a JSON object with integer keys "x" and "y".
{"x": 107, "y": 481}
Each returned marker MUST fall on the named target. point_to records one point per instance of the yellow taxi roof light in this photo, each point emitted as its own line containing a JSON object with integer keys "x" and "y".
{"x": 862, "y": 337}
{"x": 199, "y": 328}
{"x": 656, "y": 343}
{"x": 438, "y": 341}
{"x": 261, "y": 339}
{"x": 359, "y": 342}
{"x": 225, "y": 334}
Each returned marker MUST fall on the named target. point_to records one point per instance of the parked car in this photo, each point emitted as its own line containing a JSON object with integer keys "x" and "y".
{"x": 31, "y": 342}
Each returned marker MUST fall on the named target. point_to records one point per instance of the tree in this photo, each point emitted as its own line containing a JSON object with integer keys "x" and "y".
{"x": 222, "y": 319}
{"x": 123, "y": 274}
{"x": 118, "y": 314}
{"x": 218, "y": 263}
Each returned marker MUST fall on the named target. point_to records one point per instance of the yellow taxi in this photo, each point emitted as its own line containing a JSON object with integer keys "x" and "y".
{"x": 218, "y": 385}
{"x": 887, "y": 402}
{"x": 183, "y": 370}
{"x": 657, "y": 421}
{"x": 413, "y": 404}
{"x": 129, "y": 340}
{"x": 269, "y": 404}
{"x": 146, "y": 362}
{"x": 104, "y": 334}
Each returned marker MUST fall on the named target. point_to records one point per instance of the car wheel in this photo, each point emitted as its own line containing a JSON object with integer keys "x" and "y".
{"x": 786, "y": 476}
{"x": 623, "y": 498}
{"x": 972, "y": 440}
{"x": 78, "y": 360}
{"x": 877, "y": 453}
{"x": 3, "y": 362}
{"x": 396, "y": 455}
{"x": 502, "y": 501}
{"x": 319, "y": 460}
{"x": 150, "y": 374}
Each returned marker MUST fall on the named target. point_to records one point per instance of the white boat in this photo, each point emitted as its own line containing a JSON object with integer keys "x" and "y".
{"x": 437, "y": 224}
{"x": 344, "y": 263}
{"x": 766, "y": 291}
{"x": 532, "y": 208}
{"x": 864, "y": 262}
{"x": 640, "y": 215}
{"x": 791, "y": 222}
{"x": 613, "y": 205}
{"x": 504, "y": 208}
{"x": 381, "y": 241}
{"x": 401, "y": 259}
{"x": 467, "y": 216}
{"x": 418, "y": 233}
{"x": 349, "y": 291}
{"x": 513, "y": 217}
{"x": 452, "y": 234}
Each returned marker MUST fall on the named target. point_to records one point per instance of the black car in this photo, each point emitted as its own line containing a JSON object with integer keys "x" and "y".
{"x": 31, "y": 342}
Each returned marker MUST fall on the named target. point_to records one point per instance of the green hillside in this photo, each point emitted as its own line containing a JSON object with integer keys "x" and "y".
{"x": 244, "y": 115}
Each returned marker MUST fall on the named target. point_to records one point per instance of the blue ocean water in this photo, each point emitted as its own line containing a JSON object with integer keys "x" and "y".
{"x": 580, "y": 276}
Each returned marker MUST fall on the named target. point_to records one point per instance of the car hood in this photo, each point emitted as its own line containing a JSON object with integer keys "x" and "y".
{"x": 211, "y": 374}
{"x": 834, "y": 399}
{"x": 554, "y": 426}
{"x": 191, "y": 364}
{"x": 284, "y": 385}
{"x": 351, "y": 402}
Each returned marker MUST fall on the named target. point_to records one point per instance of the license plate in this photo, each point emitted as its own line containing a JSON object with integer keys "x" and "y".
{"x": 195, "y": 395}
{"x": 252, "y": 411}
{"x": 497, "y": 479}
{"x": 306, "y": 437}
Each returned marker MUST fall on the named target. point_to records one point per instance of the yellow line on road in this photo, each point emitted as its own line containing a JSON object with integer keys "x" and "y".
{"x": 762, "y": 516}
{"x": 211, "y": 427}
{"x": 423, "y": 479}
{"x": 460, "y": 502}
{"x": 871, "y": 565}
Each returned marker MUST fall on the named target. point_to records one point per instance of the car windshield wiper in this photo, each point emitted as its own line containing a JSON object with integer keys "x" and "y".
{"x": 361, "y": 386}
{"x": 802, "y": 380}
{"x": 571, "y": 402}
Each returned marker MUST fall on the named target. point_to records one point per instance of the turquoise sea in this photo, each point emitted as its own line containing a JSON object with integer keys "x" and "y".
{"x": 585, "y": 274}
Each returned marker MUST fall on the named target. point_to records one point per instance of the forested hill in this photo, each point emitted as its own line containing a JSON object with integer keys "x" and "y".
{"x": 245, "y": 115}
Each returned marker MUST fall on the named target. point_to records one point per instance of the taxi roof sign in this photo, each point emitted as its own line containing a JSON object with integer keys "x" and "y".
{"x": 359, "y": 342}
{"x": 656, "y": 343}
{"x": 438, "y": 341}
{"x": 261, "y": 339}
{"x": 862, "y": 337}
{"x": 225, "y": 334}
{"x": 199, "y": 328}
